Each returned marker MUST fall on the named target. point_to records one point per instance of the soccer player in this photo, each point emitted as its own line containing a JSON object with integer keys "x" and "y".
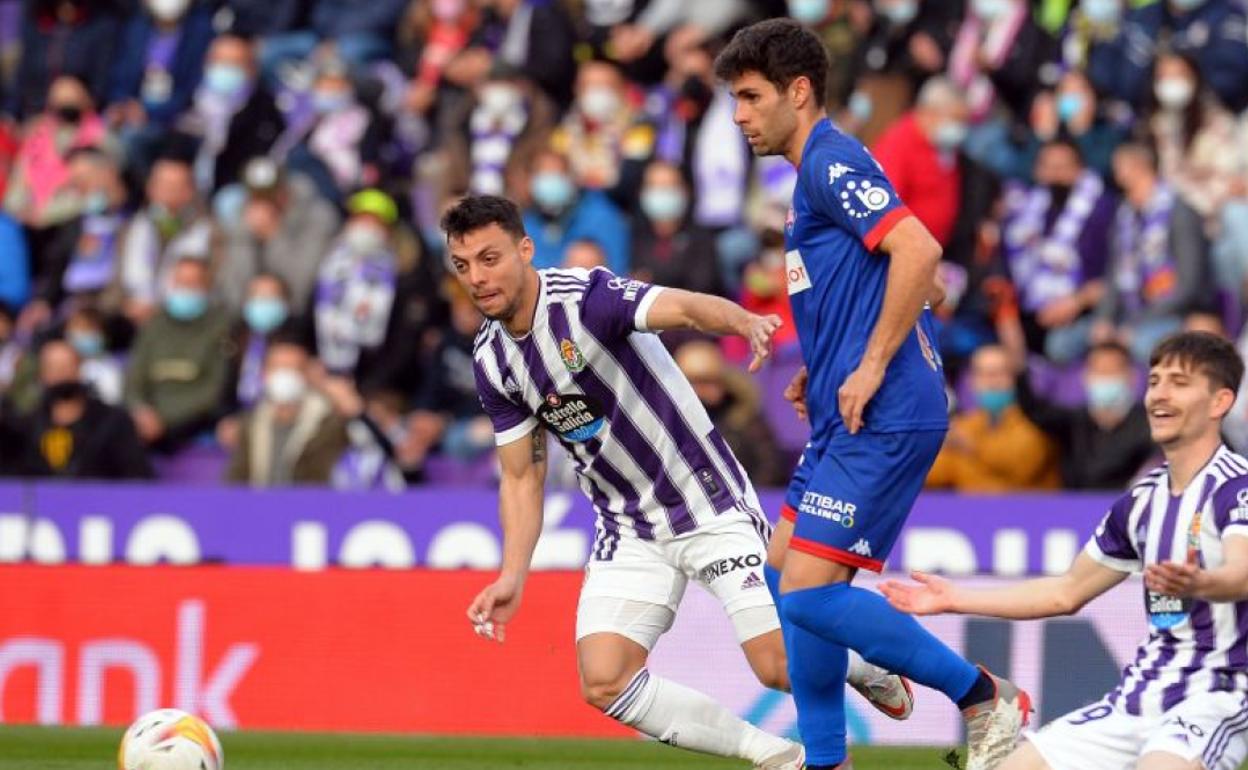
{"x": 1182, "y": 703}
{"x": 566, "y": 351}
{"x": 860, "y": 270}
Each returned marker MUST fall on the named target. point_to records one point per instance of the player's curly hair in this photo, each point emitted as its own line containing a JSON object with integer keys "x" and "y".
{"x": 472, "y": 212}
{"x": 781, "y": 50}
{"x": 1203, "y": 352}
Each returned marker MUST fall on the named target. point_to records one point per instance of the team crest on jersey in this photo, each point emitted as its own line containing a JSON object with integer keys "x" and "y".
{"x": 929, "y": 351}
{"x": 572, "y": 356}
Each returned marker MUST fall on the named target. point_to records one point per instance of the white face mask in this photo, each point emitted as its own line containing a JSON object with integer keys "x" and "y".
{"x": 499, "y": 98}
{"x": 363, "y": 238}
{"x": 168, "y": 10}
{"x": 1174, "y": 93}
{"x": 285, "y": 386}
{"x": 600, "y": 103}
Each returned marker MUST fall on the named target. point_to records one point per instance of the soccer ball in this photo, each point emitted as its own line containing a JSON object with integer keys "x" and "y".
{"x": 169, "y": 739}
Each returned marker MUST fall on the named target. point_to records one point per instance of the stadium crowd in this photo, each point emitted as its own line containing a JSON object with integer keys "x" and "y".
{"x": 220, "y": 238}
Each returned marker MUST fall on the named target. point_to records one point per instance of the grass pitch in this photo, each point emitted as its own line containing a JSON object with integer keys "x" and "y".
{"x": 38, "y": 748}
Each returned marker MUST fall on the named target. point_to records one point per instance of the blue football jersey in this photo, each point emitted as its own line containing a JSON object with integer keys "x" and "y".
{"x": 843, "y": 207}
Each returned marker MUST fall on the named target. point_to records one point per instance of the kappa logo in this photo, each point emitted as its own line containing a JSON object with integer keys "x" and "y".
{"x": 752, "y": 580}
{"x": 836, "y": 171}
{"x": 862, "y": 547}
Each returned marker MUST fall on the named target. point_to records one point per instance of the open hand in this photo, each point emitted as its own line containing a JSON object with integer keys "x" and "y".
{"x": 1174, "y": 579}
{"x": 932, "y": 596}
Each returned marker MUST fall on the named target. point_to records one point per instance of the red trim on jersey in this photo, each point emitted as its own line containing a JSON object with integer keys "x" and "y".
{"x": 834, "y": 554}
{"x": 882, "y": 228}
{"x": 787, "y": 513}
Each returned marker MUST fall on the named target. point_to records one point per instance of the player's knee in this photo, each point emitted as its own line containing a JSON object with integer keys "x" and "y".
{"x": 772, "y": 671}
{"x": 600, "y": 688}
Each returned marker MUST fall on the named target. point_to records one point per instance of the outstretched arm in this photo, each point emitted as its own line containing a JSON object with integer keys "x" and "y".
{"x": 520, "y": 500}
{"x": 679, "y": 309}
{"x": 1040, "y": 598}
{"x": 913, "y": 257}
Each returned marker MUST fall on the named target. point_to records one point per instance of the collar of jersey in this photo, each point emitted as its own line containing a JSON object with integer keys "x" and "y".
{"x": 822, "y": 127}
{"x": 538, "y": 315}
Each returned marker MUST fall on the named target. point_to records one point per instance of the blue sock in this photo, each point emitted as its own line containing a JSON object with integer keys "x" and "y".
{"x": 817, "y": 678}
{"x": 866, "y": 622}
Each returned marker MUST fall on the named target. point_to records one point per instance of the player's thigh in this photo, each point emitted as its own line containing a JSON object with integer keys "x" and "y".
{"x": 1024, "y": 757}
{"x": 858, "y": 498}
{"x": 633, "y": 592}
{"x": 1206, "y": 730}
{"x": 1097, "y": 737}
{"x": 779, "y": 543}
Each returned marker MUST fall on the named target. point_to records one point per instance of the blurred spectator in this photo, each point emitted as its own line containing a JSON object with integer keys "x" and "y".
{"x": 357, "y": 32}
{"x": 339, "y": 148}
{"x": 584, "y": 254}
{"x": 259, "y": 18}
{"x": 1203, "y": 152}
{"x": 1105, "y": 444}
{"x": 451, "y": 394}
{"x": 73, "y": 434}
{"x": 999, "y": 54}
{"x": 1210, "y": 31}
{"x": 734, "y": 405}
{"x": 100, "y": 368}
{"x": 430, "y": 34}
{"x": 372, "y": 300}
{"x": 370, "y": 461}
{"x": 266, "y": 314}
{"x": 234, "y": 115}
{"x": 667, "y": 248}
{"x": 920, "y": 155}
{"x": 900, "y": 44}
{"x": 1205, "y": 321}
{"x": 177, "y": 368}
{"x": 1091, "y": 27}
{"x": 15, "y": 264}
{"x": 533, "y": 38}
{"x": 1158, "y": 266}
{"x": 994, "y": 447}
{"x": 172, "y": 227}
{"x": 765, "y": 291}
{"x": 1054, "y": 239}
{"x": 285, "y": 229}
{"x": 80, "y": 261}
{"x": 11, "y": 350}
{"x": 293, "y": 435}
{"x": 39, "y": 194}
{"x": 159, "y": 63}
{"x": 65, "y": 37}
{"x": 561, "y": 214}
{"x": 606, "y": 139}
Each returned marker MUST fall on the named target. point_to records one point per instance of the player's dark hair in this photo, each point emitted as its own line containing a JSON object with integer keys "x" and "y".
{"x": 1203, "y": 352}
{"x": 781, "y": 50}
{"x": 473, "y": 212}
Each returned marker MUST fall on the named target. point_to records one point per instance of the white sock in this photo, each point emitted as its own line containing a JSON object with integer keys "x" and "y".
{"x": 859, "y": 670}
{"x": 682, "y": 717}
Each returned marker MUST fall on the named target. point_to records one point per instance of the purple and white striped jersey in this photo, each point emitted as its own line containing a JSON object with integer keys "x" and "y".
{"x": 645, "y": 450}
{"x": 1193, "y": 646}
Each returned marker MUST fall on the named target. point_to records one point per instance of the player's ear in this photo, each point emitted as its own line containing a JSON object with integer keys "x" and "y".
{"x": 526, "y": 249}
{"x": 1223, "y": 400}
{"x": 800, "y": 92}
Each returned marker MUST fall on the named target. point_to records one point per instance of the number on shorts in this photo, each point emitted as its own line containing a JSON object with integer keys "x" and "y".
{"x": 1091, "y": 715}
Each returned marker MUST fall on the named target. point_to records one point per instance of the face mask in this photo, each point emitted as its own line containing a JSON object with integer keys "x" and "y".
{"x": 1184, "y": 6}
{"x": 949, "y": 135}
{"x": 186, "y": 304}
{"x": 68, "y": 113}
{"x": 326, "y": 102}
{"x": 225, "y": 79}
{"x": 88, "y": 344}
{"x": 901, "y": 13}
{"x": 1109, "y": 394}
{"x": 600, "y": 103}
{"x": 363, "y": 238}
{"x": 285, "y": 386}
{"x": 64, "y": 391}
{"x": 1174, "y": 93}
{"x": 168, "y": 10}
{"x": 991, "y": 10}
{"x": 663, "y": 204}
{"x": 499, "y": 98}
{"x": 552, "y": 192}
{"x": 1068, "y": 106}
{"x": 1102, "y": 11}
{"x": 808, "y": 11}
{"x": 95, "y": 203}
{"x": 264, "y": 314}
{"x": 995, "y": 401}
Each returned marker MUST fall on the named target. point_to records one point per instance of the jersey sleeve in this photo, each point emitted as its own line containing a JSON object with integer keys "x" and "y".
{"x": 1112, "y": 544}
{"x": 1230, "y": 507}
{"x": 614, "y": 306}
{"x": 510, "y": 420}
{"x": 847, "y": 186}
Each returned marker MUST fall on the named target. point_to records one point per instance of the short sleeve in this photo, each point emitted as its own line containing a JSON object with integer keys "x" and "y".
{"x": 1230, "y": 507}
{"x": 511, "y": 421}
{"x": 1112, "y": 544}
{"x": 614, "y": 306}
{"x": 846, "y": 185}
